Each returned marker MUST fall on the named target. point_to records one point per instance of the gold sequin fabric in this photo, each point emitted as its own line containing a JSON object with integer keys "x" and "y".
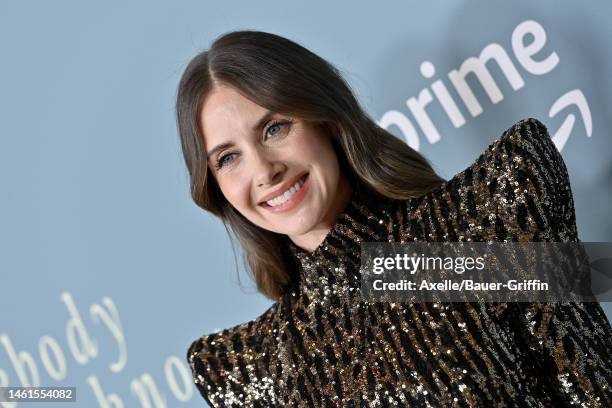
{"x": 322, "y": 345}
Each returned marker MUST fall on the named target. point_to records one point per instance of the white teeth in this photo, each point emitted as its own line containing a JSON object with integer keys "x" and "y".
{"x": 286, "y": 195}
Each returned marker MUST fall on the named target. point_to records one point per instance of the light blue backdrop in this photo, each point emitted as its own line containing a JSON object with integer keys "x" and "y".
{"x": 108, "y": 271}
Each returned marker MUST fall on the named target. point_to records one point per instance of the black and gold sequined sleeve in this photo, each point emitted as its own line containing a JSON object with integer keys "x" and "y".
{"x": 518, "y": 189}
{"x": 521, "y": 192}
{"x": 565, "y": 341}
{"x": 230, "y": 368}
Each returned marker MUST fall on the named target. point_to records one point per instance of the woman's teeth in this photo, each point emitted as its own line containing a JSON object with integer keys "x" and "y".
{"x": 286, "y": 195}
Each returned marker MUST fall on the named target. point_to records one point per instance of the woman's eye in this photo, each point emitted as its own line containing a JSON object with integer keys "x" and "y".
{"x": 271, "y": 129}
{"x": 221, "y": 160}
{"x": 275, "y": 128}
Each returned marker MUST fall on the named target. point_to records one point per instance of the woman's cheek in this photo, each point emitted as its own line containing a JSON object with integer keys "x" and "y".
{"x": 244, "y": 194}
{"x": 231, "y": 191}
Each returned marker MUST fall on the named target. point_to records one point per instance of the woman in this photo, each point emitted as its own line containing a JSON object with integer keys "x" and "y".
{"x": 277, "y": 146}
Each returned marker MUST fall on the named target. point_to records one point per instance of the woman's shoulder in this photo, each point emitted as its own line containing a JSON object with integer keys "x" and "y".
{"x": 523, "y": 153}
{"x": 526, "y": 156}
{"x": 518, "y": 186}
{"x": 231, "y": 339}
{"x": 526, "y": 145}
{"x": 528, "y": 139}
{"x": 219, "y": 357}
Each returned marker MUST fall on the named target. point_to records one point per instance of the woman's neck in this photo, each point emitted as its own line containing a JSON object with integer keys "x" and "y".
{"x": 313, "y": 238}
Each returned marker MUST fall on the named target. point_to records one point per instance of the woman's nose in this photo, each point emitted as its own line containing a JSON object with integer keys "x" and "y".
{"x": 266, "y": 170}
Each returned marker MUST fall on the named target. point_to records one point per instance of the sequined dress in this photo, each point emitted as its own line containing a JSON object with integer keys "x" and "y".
{"x": 322, "y": 345}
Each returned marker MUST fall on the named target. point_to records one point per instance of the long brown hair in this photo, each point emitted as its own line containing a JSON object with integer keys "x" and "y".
{"x": 284, "y": 77}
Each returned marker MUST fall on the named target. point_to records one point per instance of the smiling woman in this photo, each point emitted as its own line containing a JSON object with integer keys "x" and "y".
{"x": 280, "y": 173}
{"x": 255, "y": 113}
{"x": 280, "y": 150}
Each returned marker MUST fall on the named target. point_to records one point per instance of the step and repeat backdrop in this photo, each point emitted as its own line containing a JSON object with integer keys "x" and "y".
{"x": 108, "y": 271}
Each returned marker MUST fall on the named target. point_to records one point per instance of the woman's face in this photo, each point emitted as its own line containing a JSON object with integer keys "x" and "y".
{"x": 279, "y": 172}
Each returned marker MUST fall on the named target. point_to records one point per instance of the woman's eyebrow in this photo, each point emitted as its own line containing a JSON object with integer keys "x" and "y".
{"x": 262, "y": 121}
{"x": 218, "y": 147}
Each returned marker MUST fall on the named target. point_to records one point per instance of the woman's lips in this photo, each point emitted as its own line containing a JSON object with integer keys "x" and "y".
{"x": 293, "y": 201}
{"x": 286, "y": 186}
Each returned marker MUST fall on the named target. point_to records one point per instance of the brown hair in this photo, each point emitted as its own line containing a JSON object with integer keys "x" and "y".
{"x": 284, "y": 77}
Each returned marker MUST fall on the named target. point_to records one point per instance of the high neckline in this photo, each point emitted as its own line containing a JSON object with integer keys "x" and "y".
{"x": 336, "y": 259}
